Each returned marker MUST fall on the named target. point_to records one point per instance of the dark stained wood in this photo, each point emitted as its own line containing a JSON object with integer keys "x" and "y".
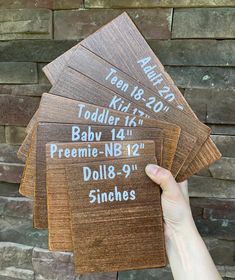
{"x": 55, "y": 109}
{"x": 119, "y": 235}
{"x": 47, "y": 132}
{"x": 202, "y": 160}
{"x": 25, "y": 146}
{"x": 28, "y": 180}
{"x": 53, "y": 69}
{"x": 59, "y": 230}
{"x": 73, "y": 84}
{"x": 87, "y": 63}
{"x": 58, "y": 113}
{"x": 131, "y": 48}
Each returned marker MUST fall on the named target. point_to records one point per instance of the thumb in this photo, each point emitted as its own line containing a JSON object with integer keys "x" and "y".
{"x": 164, "y": 178}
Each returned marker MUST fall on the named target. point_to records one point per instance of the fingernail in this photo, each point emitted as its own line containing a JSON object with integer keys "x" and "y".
{"x": 151, "y": 169}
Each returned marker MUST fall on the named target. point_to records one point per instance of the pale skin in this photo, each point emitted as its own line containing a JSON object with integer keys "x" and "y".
{"x": 186, "y": 251}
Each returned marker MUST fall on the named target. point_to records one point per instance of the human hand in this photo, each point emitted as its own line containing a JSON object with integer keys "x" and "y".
{"x": 175, "y": 200}
{"x": 186, "y": 251}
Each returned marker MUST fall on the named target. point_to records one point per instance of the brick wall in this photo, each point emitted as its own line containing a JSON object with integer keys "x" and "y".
{"x": 195, "y": 40}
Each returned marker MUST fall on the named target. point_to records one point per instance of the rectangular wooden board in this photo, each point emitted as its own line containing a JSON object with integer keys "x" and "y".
{"x": 202, "y": 159}
{"x": 50, "y": 106}
{"x": 55, "y": 109}
{"x": 111, "y": 77}
{"x": 116, "y": 224}
{"x": 47, "y": 132}
{"x": 130, "y": 47}
{"x": 59, "y": 230}
{"x": 73, "y": 83}
{"x": 28, "y": 179}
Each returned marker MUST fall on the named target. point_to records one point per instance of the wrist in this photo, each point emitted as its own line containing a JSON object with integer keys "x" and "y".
{"x": 184, "y": 226}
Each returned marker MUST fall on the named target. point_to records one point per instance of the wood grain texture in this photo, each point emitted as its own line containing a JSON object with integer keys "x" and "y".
{"x": 59, "y": 113}
{"x": 131, "y": 48}
{"x": 118, "y": 235}
{"x": 72, "y": 84}
{"x": 32, "y": 122}
{"x": 119, "y": 31}
{"x": 59, "y": 229}
{"x": 87, "y": 63}
{"x": 202, "y": 159}
{"x": 28, "y": 180}
{"x": 55, "y": 109}
{"x": 53, "y": 69}
{"x": 25, "y": 146}
{"x": 62, "y": 133}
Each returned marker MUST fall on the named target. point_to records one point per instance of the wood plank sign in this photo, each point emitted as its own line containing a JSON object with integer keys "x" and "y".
{"x": 64, "y": 134}
{"x": 134, "y": 57}
{"x": 115, "y": 223}
{"x": 109, "y": 113}
{"x": 58, "y": 155}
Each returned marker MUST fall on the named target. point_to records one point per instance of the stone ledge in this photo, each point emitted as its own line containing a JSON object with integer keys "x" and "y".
{"x": 17, "y": 273}
{"x": 27, "y": 262}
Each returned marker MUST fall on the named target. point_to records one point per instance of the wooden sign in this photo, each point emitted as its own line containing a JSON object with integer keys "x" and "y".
{"x": 202, "y": 159}
{"x": 132, "y": 57}
{"x": 58, "y": 155}
{"x": 116, "y": 218}
{"x": 24, "y": 148}
{"x": 108, "y": 115}
{"x": 55, "y": 108}
{"x": 73, "y": 83}
{"x": 28, "y": 179}
{"x": 47, "y": 132}
{"x": 87, "y": 63}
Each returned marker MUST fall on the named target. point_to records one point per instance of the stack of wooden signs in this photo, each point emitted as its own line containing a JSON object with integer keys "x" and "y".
{"x": 112, "y": 109}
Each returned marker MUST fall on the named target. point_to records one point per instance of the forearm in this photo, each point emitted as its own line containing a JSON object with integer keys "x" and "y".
{"x": 188, "y": 256}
